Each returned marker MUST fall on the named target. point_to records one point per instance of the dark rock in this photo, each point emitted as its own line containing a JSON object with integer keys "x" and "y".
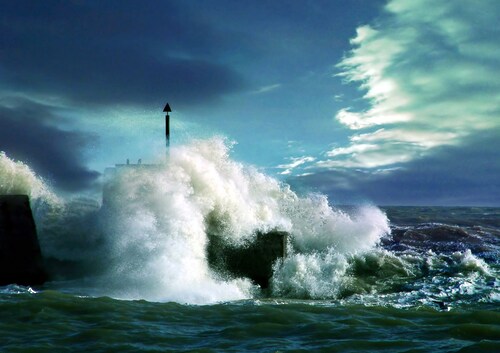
{"x": 20, "y": 255}
{"x": 253, "y": 260}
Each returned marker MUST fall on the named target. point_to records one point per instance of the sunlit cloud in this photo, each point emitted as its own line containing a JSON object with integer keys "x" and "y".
{"x": 351, "y": 150}
{"x": 431, "y": 79}
{"x": 294, "y": 163}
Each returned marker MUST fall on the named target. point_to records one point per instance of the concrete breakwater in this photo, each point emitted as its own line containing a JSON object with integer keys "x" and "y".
{"x": 20, "y": 256}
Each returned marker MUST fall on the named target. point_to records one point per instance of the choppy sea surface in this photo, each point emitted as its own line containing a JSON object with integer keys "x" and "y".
{"x": 129, "y": 273}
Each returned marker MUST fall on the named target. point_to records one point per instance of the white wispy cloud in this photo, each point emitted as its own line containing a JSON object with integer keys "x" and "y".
{"x": 267, "y": 88}
{"x": 294, "y": 163}
{"x": 430, "y": 70}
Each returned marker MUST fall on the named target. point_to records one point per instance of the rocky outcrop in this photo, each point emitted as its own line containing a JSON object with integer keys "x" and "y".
{"x": 20, "y": 255}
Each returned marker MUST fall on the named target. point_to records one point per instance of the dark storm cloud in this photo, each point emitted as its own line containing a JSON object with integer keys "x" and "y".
{"x": 113, "y": 51}
{"x": 465, "y": 175}
{"x": 27, "y": 134}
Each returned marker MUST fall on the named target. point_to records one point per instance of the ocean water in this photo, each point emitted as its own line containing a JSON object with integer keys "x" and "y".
{"x": 130, "y": 273}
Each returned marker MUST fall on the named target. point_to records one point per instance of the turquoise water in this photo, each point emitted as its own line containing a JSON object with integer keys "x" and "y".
{"x": 50, "y": 321}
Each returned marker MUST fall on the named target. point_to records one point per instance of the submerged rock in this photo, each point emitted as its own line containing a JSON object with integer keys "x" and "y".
{"x": 20, "y": 255}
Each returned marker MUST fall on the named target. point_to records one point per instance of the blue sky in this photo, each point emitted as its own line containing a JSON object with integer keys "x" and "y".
{"x": 364, "y": 100}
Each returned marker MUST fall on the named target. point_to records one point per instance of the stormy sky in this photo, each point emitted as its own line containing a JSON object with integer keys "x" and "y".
{"x": 381, "y": 101}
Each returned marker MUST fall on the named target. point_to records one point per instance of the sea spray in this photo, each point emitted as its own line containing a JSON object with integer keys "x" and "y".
{"x": 323, "y": 239}
{"x": 156, "y": 240}
{"x": 240, "y": 199}
{"x": 149, "y": 238}
{"x": 17, "y": 178}
{"x": 161, "y": 217}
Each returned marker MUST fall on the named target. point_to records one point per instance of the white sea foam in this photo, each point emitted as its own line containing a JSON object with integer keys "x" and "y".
{"x": 149, "y": 239}
{"x": 158, "y": 221}
{"x": 17, "y": 178}
{"x": 323, "y": 238}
